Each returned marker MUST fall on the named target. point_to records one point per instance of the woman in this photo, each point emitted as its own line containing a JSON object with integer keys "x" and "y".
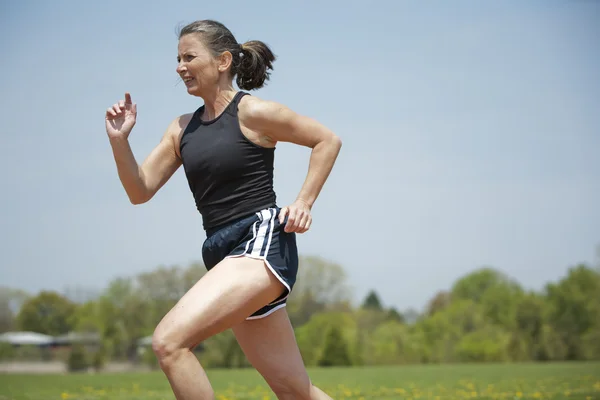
{"x": 226, "y": 148}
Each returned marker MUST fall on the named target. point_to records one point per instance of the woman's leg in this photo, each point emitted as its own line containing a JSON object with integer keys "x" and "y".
{"x": 222, "y": 298}
{"x": 270, "y": 346}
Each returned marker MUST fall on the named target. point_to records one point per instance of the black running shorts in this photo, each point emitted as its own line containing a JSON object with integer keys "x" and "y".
{"x": 259, "y": 236}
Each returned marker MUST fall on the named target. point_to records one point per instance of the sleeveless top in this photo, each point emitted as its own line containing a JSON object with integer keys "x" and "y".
{"x": 229, "y": 176}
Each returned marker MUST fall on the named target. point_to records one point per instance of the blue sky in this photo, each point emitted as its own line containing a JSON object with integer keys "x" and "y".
{"x": 471, "y": 133}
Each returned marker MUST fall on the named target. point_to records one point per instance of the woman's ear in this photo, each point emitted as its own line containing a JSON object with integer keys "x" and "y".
{"x": 225, "y": 60}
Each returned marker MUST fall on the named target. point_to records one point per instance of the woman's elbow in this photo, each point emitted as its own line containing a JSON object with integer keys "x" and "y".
{"x": 335, "y": 142}
{"x": 139, "y": 198}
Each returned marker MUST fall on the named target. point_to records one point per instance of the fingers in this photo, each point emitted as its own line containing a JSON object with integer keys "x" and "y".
{"x": 128, "y": 104}
{"x": 305, "y": 223}
{"x": 110, "y": 113}
{"x": 290, "y": 225}
{"x": 282, "y": 215}
{"x": 115, "y": 111}
{"x": 120, "y": 107}
{"x": 298, "y": 220}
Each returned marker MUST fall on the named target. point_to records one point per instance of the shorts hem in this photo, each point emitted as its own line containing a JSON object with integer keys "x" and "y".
{"x": 266, "y": 314}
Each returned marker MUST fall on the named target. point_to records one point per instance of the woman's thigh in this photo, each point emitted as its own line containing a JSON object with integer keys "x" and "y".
{"x": 225, "y": 296}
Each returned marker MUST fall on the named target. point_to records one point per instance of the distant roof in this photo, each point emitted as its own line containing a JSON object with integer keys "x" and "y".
{"x": 78, "y": 337}
{"x": 26, "y": 338}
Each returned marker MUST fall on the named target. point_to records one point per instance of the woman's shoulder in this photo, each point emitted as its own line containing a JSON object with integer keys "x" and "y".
{"x": 183, "y": 120}
{"x": 177, "y": 128}
{"x": 256, "y": 111}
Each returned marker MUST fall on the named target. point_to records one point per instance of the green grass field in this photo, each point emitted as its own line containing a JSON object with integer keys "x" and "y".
{"x": 521, "y": 381}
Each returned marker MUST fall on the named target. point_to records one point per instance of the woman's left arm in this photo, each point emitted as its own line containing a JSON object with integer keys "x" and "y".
{"x": 280, "y": 124}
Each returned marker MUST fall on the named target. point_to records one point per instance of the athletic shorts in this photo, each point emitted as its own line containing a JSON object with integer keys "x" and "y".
{"x": 259, "y": 236}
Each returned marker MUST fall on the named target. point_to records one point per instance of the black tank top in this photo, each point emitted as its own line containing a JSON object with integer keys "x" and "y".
{"x": 229, "y": 176}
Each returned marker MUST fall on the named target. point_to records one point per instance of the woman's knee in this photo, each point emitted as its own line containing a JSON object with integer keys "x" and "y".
{"x": 166, "y": 346}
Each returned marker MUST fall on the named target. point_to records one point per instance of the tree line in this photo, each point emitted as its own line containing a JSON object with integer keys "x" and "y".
{"x": 485, "y": 316}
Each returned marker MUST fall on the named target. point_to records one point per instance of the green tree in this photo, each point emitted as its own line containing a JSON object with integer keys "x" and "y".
{"x": 126, "y": 317}
{"x": 475, "y": 285}
{"x": 49, "y": 313}
{"x": 392, "y": 343}
{"x": 441, "y": 332}
{"x": 131, "y": 307}
{"x": 574, "y": 304}
{"x": 487, "y": 344}
{"x": 394, "y": 315}
{"x": 551, "y": 346}
{"x": 372, "y": 301}
{"x": 367, "y": 320}
{"x": 530, "y": 318}
{"x": 223, "y": 351}
{"x": 497, "y": 294}
{"x": 591, "y": 343}
{"x": 335, "y": 351}
{"x": 321, "y": 286}
{"x": 10, "y": 302}
{"x": 439, "y": 302}
{"x": 311, "y": 336}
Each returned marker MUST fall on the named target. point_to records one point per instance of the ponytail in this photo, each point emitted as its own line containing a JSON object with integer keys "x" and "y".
{"x": 255, "y": 62}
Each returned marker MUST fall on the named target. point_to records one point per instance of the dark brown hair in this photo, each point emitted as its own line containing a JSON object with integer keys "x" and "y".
{"x": 251, "y": 60}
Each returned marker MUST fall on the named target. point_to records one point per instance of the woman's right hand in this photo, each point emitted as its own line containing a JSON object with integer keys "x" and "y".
{"x": 120, "y": 118}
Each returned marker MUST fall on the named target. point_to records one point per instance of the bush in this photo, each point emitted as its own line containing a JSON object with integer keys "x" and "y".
{"x": 7, "y": 351}
{"x": 591, "y": 344}
{"x": 78, "y": 359}
{"x": 27, "y": 353}
{"x": 149, "y": 358}
{"x": 335, "y": 351}
{"x": 485, "y": 345}
{"x": 99, "y": 358}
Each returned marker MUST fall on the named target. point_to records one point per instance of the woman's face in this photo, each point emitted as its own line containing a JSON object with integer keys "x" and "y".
{"x": 196, "y": 65}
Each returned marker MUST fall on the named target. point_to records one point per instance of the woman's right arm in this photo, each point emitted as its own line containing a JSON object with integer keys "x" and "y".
{"x": 141, "y": 182}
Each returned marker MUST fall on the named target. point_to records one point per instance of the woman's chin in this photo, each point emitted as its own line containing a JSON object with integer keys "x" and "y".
{"x": 193, "y": 90}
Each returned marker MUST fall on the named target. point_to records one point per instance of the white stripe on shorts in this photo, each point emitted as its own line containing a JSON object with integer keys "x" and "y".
{"x": 265, "y": 231}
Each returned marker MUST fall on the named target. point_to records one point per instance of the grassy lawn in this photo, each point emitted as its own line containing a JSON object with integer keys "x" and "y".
{"x": 446, "y": 382}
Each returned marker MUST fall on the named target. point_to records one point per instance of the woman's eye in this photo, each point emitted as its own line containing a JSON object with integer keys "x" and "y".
{"x": 187, "y": 58}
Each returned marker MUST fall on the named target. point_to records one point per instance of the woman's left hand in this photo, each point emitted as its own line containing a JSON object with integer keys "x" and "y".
{"x": 299, "y": 218}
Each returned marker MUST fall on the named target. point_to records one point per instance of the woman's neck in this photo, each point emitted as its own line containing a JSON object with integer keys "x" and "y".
{"x": 216, "y": 102}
